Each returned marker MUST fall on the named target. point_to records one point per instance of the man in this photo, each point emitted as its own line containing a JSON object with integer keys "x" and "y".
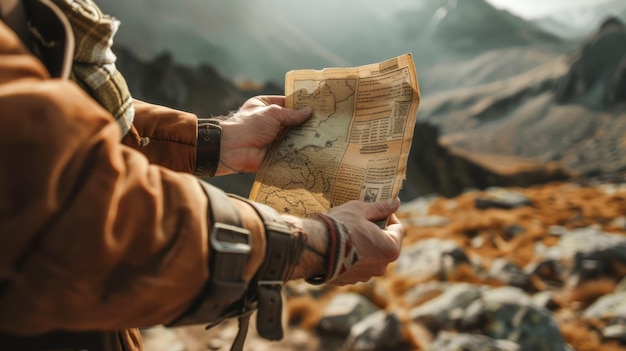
{"x": 103, "y": 226}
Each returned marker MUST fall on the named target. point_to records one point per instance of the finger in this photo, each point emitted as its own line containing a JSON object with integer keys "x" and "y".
{"x": 396, "y": 233}
{"x": 289, "y": 118}
{"x": 393, "y": 219}
{"x": 376, "y": 211}
{"x": 272, "y": 100}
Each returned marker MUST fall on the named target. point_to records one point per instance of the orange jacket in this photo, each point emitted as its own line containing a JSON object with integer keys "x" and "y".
{"x": 96, "y": 234}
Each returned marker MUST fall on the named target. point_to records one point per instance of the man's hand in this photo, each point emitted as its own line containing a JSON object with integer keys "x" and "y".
{"x": 248, "y": 135}
{"x": 377, "y": 247}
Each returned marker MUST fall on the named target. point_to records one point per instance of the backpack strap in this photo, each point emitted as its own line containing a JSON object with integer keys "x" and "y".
{"x": 44, "y": 30}
{"x": 12, "y": 13}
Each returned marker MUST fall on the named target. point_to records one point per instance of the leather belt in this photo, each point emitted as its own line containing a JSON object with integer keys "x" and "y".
{"x": 230, "y": 248}
{"x": 281, "y": 255}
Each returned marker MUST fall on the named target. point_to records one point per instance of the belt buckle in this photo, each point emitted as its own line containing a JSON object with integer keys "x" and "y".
{"x": 230, "y": 239}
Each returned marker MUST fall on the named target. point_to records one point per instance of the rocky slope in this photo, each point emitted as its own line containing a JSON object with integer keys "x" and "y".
{"x": 538, "y": 268}
{"x": 570, "y": 111}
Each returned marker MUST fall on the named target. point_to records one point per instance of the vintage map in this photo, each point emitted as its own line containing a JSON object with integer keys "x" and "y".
{"x": 355, "y": 145}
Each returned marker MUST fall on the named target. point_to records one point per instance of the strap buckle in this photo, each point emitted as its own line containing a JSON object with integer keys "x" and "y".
{"x": 230, "y": 239}
{"x": 231, "y": 246}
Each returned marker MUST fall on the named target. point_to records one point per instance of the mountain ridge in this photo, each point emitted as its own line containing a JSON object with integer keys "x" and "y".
{"x": 246, "y": 41}
{"x": 570, "y": 111}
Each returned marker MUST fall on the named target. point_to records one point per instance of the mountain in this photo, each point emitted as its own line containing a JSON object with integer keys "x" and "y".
{"x": 469, "y": 27}
{"x": 490, "y": 66}
{"x": 199, "y": 89}
{"x": 245, "y": 40}
{"x": 578, "y": 22}
{"x": 571, "y": 111}
{"x": 517, "y": 112}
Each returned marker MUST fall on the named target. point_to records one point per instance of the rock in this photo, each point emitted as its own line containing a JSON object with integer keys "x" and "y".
{"x": 447, "y": 307}
{"x": 548, "y": 270}
{"x": 477, "y": 242}
{"x": 615, "y": 331}
{"x": 378, "y": 331}
{"x": 506, "y": 294}
{"x": 513, "y": 231}
{"x": 607, "y": 307}
{"x": 612, "y": 189}
{"x": 160, "y": 338}
{"x": 430, "y": 257}
{"x": 418, "y": 207}
{"x": 343, "y": 311}
{"x": 503, "y": 199}
{"x": 302, "y": 288}
{"x": 447, "y": 341}
{"x": 427, "y": 221}
{"x": 598, "y": 258}
{"x": 619, "y": 222}
{"x": 545, "y": 299}
{"x": 620, "y": 314}
{"x": 611, "y": 309}
{"x": 421, "y": 292}
{"x": 508, "y": 273}
{"x": 582, "y": 254}
{"x": 621, "y": 287}
{"x": 508, "y": 313}
{"x": 557, "y": 230}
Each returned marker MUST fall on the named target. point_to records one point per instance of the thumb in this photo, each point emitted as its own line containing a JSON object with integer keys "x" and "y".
{"x": 289, "y": 118}
{"x": 375, "y": 211}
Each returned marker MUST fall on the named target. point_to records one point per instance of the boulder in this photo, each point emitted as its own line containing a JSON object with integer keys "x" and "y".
{"x": 509, "y": 313}
{"x": 443, "y": 310}
{"x": 378, "y": 331}
{"x": 344, "y": 311}
{"x": 448, "y": 341}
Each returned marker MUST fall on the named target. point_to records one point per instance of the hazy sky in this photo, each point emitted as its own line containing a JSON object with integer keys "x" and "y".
{"x": 538, "y": 8}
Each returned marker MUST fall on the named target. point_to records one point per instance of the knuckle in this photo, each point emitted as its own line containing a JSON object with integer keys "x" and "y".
{"x": 379, "y": 206}
{"x": 274, "y": 109}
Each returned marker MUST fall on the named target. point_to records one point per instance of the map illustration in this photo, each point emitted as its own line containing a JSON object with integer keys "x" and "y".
{"x": 356, "y": 144}
{"x": 306, "y": 161}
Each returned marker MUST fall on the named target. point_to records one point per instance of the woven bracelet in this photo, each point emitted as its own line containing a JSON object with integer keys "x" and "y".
{"x": 341, "y": 254}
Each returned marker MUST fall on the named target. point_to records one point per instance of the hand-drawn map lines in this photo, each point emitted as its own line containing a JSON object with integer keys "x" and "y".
{"x": 308, "y": 157}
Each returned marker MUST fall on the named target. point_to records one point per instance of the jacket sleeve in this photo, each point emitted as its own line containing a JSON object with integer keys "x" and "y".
{"x": 167, "y": 137}
{"x": 92, "y": 235}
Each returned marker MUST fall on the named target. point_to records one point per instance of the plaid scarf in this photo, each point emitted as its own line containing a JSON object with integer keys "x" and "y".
{"x": 94, "y": 62}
